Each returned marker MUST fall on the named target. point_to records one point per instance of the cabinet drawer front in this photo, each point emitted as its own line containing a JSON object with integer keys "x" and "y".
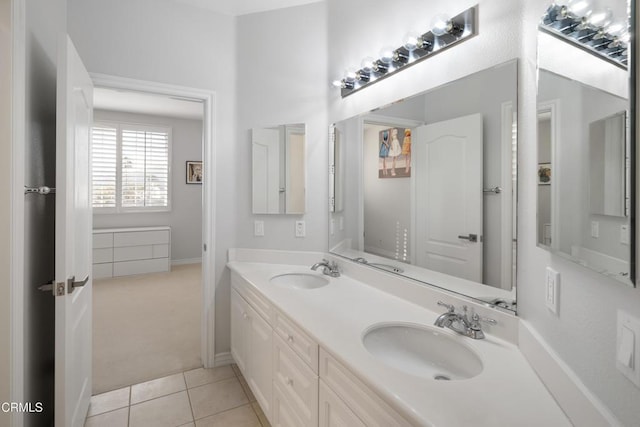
{"x": 283, "y": 415}
{"x": 255, "y": 300}
{"x": 298, "y": 340}
{"x": 138, "y": 238}
{"x": 100, "y": 271}
{"x": 365, "y": 404}
{"x": 132, "y": 253}
{"x": 334, "y": 412}
{"x": 102, "y": 255}
{"x": 296, "y": 380}
{"x": 160, "y": 251}
{"x": 126, "y": 268}
{"x": 102, "y": 240}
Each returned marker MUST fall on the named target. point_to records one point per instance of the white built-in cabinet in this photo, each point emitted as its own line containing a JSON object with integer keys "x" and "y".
{"x": 295, "y": 381}
{"x": 127, "y": 251}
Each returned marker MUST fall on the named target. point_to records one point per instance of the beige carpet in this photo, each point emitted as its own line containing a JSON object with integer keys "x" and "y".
{"x": 145, "y": 327}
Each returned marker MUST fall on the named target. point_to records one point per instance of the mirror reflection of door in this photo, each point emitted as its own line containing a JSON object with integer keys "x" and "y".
{"x": 449, "y": 196}
{"x": 544, "y": 184}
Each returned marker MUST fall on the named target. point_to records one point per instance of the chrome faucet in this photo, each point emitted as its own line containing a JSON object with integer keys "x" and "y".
{"x": 329, "y": 268}
{"x": 460, "y": 323}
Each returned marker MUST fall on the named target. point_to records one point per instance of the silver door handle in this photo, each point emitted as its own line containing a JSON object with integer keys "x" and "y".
{"x": 72, "y": 284}
{"x": 44, "y": 190}
{"x": 471, "y": 237}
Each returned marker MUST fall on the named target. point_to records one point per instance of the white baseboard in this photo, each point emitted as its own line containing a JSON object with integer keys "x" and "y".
{"x": 580, "y": 405}
{"x": 186, "y": 261}
{"x": 222, "y": 359}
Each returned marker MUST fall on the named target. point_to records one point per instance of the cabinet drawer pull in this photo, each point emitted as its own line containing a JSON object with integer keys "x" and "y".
{"x": 290, "y": 338}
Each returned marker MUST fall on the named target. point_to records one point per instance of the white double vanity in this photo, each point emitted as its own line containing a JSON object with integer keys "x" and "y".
{"x": 343, "y": 351}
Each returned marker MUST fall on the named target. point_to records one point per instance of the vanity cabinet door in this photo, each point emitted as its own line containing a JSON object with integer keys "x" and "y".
{"x": 259, "y": 360}
{"x": 333, "y": 411}
{"x": 239, "y": 334}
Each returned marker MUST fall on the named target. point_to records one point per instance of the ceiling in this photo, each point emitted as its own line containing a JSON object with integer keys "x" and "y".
{"x": 243, "y": 7}
{"x": 144, "y": 103}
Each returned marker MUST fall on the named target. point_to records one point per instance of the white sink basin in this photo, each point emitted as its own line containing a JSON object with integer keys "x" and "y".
{"x": 300, "y": 280}
{"x": 422, "y": 351}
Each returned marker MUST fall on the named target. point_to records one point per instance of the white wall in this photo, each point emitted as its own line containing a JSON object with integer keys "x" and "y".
{"x": 185, "y": 218}
{"x": 5, "y": 202}
{"x": 168, "y": 42}
{"x": 584, "y": 333}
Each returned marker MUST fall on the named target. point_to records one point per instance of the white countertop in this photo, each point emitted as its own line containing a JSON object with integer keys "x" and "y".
{"x": 506, "y": 393}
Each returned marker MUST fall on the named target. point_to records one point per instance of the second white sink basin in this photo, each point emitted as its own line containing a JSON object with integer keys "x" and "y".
{"x": 300, "y": 280}
{"x": 422, "y": 351}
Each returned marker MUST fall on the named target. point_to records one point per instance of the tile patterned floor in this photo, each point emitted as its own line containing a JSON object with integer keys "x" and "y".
{"x": 217, "y": 397}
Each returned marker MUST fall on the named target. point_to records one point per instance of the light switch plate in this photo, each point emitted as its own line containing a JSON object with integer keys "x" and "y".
{"x": 628, "y": 347}
{"x": 552, "y": 284}
{"x": 258, "y": 228}
{"x": 595, "y": 229}
{"x": 300, "y": 229}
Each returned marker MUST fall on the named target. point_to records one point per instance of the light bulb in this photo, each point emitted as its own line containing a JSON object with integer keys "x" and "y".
{"x": 616, "y": 28}
{"x": 367, "y": 63}
{"x": 578, "y": 7}
{"x": 350, "y": 75}
{"x": 440, "y": 25}
{"x": 600, "y": 18}
{"x": 411, "y": 41}
{"x": 386, "y": 54}
{"x": 337, "y": 84}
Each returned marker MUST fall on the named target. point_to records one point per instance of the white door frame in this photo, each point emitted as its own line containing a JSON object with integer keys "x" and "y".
{"x": 208, "y": 191}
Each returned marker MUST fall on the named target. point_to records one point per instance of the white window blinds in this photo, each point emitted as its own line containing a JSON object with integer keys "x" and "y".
{"x": 104, "y": 166}
{"x": 131, "y": 166}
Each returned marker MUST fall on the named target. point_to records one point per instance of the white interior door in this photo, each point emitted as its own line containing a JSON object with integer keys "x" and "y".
{"x": 266, "y": 170}
{"x": 73, "y": 284}
{"x": 448, "y": 184}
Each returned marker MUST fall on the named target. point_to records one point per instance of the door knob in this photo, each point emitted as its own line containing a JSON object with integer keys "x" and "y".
{"x": 471, "y": 237}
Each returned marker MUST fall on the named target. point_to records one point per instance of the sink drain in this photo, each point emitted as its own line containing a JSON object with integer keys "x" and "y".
{"x": 441, "y": 377}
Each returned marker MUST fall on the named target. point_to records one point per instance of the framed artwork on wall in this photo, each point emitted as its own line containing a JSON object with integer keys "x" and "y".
{"x": 394, "y": 160}
{"x": 194, "y": 172}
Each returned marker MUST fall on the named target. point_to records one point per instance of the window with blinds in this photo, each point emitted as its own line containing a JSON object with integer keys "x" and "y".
{"x": 131, "y": 167}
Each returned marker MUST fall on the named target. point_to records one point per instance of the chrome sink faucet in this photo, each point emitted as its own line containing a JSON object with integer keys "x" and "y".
{"x": 329, "y": 268}
{"x": 460, "y": 323}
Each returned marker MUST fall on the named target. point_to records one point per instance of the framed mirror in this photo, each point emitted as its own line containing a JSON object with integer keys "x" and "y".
{"x": 278, "y": 169}
{"x": 586, "y": 160}
{"x": 426, "y": 187}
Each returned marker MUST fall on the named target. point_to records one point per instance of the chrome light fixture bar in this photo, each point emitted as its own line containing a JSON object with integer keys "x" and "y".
{"x": 592, "y": 31}
{"x": 445, "y": 33}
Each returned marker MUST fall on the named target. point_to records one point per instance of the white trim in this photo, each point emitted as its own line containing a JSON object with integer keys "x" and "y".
{"x": 208, "y": 194}
{"x": 552, "y": 109}
{"x": 580, "y": 405}
{"x": 223, "y": 359}
{"x": 18, "y": 135}
{"x": 506, "y": 207}
{"x": 186, "y": 261}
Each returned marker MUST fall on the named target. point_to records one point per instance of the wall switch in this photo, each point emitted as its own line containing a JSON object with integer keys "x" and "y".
{"x": 628, "y": 347}
{"x": 258, "y": 228}
{"x": 300, "y": 229}
{"x": 624, "y": 234}
{"x": 552, "y": 284}
{"x": 595, "y": 229}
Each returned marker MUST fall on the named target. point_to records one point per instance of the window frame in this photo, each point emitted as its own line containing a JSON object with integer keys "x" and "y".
{"x": 133, "y": 126}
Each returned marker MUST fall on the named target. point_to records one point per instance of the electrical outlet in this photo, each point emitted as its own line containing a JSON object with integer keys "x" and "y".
{"x": 258, "y": 228}
{"x": 624, "y": 234}
{"x": 595, "y": 229}
{"x": 552, "y": 284}
{"x": 300, "y": 229}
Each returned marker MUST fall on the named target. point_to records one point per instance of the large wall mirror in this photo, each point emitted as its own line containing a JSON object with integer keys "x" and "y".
{"x": 586, "y": 164}
{"x": 278, "y": 169}
{"x": 426, "y": 187}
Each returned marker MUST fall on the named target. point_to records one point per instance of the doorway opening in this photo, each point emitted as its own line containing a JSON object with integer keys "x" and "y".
{"x": 171, "y": 243}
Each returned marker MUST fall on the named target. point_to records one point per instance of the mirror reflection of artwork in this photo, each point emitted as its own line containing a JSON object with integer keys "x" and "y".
{"x": 544, "y": 174}
{"x": 394, "y": 153}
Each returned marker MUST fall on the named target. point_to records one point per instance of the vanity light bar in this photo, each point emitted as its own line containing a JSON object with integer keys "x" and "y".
{"x": 598, "y": 39}
{"x": 444, "y": 34}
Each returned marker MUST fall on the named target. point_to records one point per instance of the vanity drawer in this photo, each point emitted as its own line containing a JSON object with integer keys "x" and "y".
{"x": 102, "y": 240}
{"x": 333, "y": 411}
{"x": 296, "y": 381}
{"x": 132, "y": 253}
{"x": 364, "y": 403}
{"x": 137, "y": 238}
{"x": 257, "y": 301}
{"x": 297, "y": 339}
{"x": 102, "y": 255}
{"x": 283, "y": 414}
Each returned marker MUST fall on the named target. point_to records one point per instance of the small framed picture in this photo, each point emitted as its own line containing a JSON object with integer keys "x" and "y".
{"x": 194, "y": 172}
{"x": 544, "y": 174}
